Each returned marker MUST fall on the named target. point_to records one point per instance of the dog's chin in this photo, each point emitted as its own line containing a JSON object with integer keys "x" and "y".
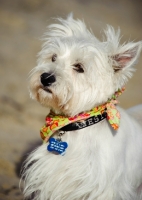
{"x": 43, "y": 95}
{"x": 47, "y": 98}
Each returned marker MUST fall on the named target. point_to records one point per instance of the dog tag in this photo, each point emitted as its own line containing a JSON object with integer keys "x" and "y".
{"x": 57, "y": 146}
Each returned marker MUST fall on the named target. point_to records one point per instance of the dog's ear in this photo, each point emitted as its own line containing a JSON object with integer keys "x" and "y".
{"x": 123, "y": 57}
{"x": 126, "y": 56}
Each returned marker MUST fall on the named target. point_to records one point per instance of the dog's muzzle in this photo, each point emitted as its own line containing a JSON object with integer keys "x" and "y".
{"x": 47, "y": 79}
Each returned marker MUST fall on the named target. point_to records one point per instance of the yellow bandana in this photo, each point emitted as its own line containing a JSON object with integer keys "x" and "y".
{"x": 56, "y": 122}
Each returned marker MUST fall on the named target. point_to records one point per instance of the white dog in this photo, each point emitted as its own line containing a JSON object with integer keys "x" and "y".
{"x": 92, "y": 148}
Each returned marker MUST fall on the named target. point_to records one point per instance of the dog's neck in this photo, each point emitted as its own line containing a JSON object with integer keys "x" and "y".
{"x": 59, "y": 122}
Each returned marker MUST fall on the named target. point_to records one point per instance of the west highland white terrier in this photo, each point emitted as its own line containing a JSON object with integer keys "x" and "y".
{"x": 92, "y": 148}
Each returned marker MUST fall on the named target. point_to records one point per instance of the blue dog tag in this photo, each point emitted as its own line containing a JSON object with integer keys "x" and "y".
{"x": 57, "y": 146}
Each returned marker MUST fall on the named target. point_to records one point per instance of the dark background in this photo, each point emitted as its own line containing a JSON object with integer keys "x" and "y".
{"x": 22, "y": 23}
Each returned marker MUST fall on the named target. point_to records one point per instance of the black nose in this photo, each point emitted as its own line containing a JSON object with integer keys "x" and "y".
{"x": 47, "y": 79}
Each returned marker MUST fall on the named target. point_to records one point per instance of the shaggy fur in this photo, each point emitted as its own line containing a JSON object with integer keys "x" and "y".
{"x": 100, "y": 163}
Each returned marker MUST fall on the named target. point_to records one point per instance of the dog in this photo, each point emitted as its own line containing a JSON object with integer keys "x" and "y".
{"x": 91, "y": 147}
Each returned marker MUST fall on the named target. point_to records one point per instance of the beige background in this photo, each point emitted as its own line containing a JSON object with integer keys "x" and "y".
{"x": 22, "y": 23}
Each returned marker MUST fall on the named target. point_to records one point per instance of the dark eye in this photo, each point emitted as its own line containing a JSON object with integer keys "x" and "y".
{"x": 78, "y": 67}
{"x": 54, "y": 57}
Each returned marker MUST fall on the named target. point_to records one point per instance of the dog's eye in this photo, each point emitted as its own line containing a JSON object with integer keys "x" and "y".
{"x": 54, "y": 57}
{"x": 78, "y": 67}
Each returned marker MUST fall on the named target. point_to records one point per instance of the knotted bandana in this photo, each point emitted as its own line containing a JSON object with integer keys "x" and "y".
{"x": 56, "y": 122}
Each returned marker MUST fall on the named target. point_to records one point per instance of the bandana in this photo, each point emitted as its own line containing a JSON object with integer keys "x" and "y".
{"x": 56, "y": 122}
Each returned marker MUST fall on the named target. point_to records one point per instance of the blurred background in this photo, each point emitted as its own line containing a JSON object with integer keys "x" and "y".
{"x": 22, "y": 23}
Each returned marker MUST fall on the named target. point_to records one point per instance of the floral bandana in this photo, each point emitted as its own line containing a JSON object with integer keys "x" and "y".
{"x": 56, "y": 122}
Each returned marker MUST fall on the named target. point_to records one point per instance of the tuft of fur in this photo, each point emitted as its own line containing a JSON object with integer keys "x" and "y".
{"x": 100, "y": 163}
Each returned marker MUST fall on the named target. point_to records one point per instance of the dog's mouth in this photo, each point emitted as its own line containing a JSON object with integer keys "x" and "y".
{"x": 47, "y": 89}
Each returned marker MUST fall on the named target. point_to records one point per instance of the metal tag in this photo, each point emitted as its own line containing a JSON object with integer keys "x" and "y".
{"x": 57, "y": 146}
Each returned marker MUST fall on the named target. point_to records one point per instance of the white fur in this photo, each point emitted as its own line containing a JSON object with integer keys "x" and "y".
{"x": 100, "y": 163}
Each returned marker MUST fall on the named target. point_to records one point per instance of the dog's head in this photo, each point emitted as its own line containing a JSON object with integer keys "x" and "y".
{"x": 76, "y": 72}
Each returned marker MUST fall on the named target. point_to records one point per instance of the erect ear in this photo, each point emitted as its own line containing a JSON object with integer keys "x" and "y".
{"x": 126, "y": 56}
